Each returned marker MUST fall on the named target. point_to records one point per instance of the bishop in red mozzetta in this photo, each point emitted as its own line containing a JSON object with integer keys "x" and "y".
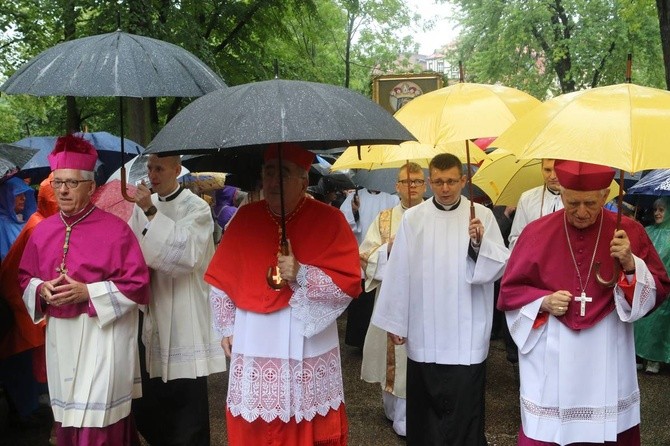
{"x": 575, "y": 336}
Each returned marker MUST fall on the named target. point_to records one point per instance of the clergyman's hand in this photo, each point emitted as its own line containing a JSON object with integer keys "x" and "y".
{"x": 556, "y": 303}
{"x": 620, "y": 250}
{"x": 397, "y": 340}
{"x": 70, "y": 292}
{"x": 143, "y": 197}
{"x": 476, "y": 231}
{"x": 227, "y": 345}
{"x": 49, "y": 288}
{"x": 288, "y": 265}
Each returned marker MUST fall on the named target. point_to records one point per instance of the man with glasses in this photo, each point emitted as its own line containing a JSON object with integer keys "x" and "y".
{"x": 180, "y": 349}
{"x": 84, "y": 271}
{"x": 384, "y": 362}
{"x": 285, "y": 381}
{"x": 437, "y": 299}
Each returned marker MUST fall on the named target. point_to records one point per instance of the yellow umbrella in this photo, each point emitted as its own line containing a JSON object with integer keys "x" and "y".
{"x": 395, "y": 156}
{"x": 504, "y": 178}
{"x": 623, "y": 126}
{"x": 463, "y": 112}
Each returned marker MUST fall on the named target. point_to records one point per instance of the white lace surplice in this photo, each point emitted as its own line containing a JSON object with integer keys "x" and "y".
{"x": 287, "y": 363}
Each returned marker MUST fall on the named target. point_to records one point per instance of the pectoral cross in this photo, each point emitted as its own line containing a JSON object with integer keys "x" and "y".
{"x": 583, "y": 299}
{"x": 62, "y": 269}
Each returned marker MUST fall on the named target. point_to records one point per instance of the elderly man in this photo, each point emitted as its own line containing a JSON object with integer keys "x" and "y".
{"x": 575, "y": 335}
{"x": 174, "y": 227}
{"x": 537, "y": 202}
{"x": 89, "y": 291}
{"x": 285, "y": 385}
{"x": 384, "y": 362}
{"x": 437, "y": 296}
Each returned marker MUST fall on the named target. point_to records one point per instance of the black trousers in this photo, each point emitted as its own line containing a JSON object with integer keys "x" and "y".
{"x": 445, "y": 404}
{"x": 359, "y": 313}
{"x": 172, "y": 413}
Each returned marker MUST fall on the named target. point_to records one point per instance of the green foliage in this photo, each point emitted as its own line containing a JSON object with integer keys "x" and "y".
{"x": 551, "y": 47}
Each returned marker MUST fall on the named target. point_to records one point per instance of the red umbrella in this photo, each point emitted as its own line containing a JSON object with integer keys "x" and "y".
{"x": 108, "y": 197}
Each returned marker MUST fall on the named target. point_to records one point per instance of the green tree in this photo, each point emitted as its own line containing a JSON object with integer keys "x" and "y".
{"x": 549, "y": 47}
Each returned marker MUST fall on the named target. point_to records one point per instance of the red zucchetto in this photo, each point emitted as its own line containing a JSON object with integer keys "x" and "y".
{"x": 575, "y": 175}
{"x": 290, "y": 152}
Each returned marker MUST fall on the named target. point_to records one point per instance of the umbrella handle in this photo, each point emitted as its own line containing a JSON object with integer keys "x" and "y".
{"x": 272, "y": 277}
{"x": 124, "y": 191}
{"x": 615, "y": 275}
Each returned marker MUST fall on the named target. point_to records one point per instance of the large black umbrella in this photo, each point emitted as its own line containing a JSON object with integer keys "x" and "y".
{"x": 16, "y": 154}
{"x": 316, "y": 116}
{"x": 114, "y": 64}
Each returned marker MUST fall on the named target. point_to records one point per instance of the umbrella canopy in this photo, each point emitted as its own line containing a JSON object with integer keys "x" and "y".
{"x": 108, "y": 197}
{"x": 656, "y": 182}
{"x": 114, "y": 64}
{"x": 623, "y": 126}
{"x": 464, "y": 111}
{"x": 107, "y": 145}
{"x": 137, "y": 171}
{"x": 7, "y": 169}
{"x": 395, "y": 156}
{"x": 504, "y": 178}
{"x": 16, "y": 154}
{"x": 317, "y": 116}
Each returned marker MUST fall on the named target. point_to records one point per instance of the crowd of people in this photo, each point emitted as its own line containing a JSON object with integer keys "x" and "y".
{"x": 121, "y": 323}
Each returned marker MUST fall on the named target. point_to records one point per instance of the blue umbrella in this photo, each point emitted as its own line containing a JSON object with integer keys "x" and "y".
{"x": 107, "y": 145}
{"x": 657, "y": 182}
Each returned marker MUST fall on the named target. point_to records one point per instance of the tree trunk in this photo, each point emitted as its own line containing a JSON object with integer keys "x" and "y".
{"x": 663, "y": 7}
{"x": 138, "y": 111}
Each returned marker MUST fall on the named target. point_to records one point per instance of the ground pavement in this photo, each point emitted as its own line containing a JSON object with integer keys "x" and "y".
{"x": 369, "y": 427}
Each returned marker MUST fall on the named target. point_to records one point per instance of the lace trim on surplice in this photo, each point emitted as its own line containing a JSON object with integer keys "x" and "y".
{"x": 223, "y": 312}
{"x": 316, "y": 300}
{"x": 272, "y": 388}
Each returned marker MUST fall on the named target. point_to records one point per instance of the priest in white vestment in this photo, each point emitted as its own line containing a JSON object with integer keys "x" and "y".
{"x": 537, "y": 202}
{"x": 575, "y": 335}
{"x": 437, "y": 297}
{"x": 360, "y": 208}
{"x": 384, "y": 362}
{"x": 174, "y": 227}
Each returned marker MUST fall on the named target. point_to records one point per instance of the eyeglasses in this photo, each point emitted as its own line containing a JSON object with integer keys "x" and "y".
{"x": 450, "y": 182}
{"x": 412, "y": 182}
{"x": 69, "y": 184}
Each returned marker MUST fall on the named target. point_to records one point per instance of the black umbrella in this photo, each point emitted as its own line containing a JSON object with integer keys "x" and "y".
{"x": 7, "y": 169}
{"x": 16, "y": 154}
{"x": 114, "y": 64}
{"x": 316, "y": 116}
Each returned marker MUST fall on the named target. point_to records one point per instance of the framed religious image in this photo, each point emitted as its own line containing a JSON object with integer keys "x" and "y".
{"x": 392, "y": 91}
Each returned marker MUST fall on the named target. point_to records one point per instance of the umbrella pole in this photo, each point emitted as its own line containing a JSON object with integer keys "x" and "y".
{"x": 273, "y": 278}
{"x": 124, "y": 191}
{"x": 617, "y": 266}
{"x": 472, "y": 204}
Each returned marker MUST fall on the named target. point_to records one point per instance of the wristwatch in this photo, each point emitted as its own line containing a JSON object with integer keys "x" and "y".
{"x": 151, "y": 211}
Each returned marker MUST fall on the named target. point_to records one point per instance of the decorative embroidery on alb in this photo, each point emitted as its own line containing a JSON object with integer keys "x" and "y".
{"x": 566, "y": 415}
{"x": 271, "y": 388}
